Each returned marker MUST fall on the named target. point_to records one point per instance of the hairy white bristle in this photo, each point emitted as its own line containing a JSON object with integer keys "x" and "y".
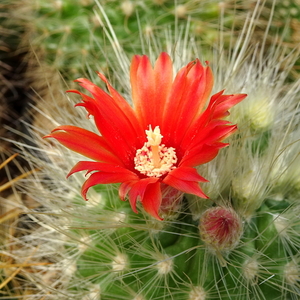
{"x": 127, "y": 7}
{"x": 138, "y": 297}
{"x": 250, "y": 269}
{"x": 94, "y": 292}
{"x": 292, "y": 273}
{"x": 181, "y": 11}
{"x": 197, "y": 293}
{"x": 165, "y": 266}
{"x": 119, "y": 263}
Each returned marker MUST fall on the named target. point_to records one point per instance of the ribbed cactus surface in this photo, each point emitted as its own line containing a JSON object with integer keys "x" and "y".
{"x": 218, "y": 256}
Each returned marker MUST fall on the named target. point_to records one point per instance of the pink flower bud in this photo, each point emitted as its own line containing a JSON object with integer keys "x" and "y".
{"x": 220, "y": 228}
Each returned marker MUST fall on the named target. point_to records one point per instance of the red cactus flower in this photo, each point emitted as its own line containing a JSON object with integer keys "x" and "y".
{"x": 159, "y": 140}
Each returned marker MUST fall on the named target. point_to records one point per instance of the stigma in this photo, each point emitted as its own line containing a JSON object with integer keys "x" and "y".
{"x": 154, "y": 159}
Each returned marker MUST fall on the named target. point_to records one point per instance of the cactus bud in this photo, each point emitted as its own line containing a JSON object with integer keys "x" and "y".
{"x": 220, "y": 228}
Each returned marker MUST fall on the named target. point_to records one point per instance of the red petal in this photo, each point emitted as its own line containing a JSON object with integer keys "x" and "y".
{"x": 125, "y": 107}
{"x": 91, "y": 166}
{"x": 201, "y": 156}
{"x": 124, "y": 189}
{"x": 150, "y": 87}
{"x": 142, "y": 84}
{"x": 84, "y": 142}
{"x": 224, "y": 102}
{"x": 138, "y": 190}
{"x": 199, "y": 135}
{"x": 163, "y": 78}
{"x": 112, "y": 121}
{"x": 199, "y": 86}
{"x": 173, "y": 107}
{"x": 134, "y": 85}
{"x": 216, "y": 134}
{"x": 104, "y": 178}
{"x": 188, "y": 173}
{"x": 208, "y": 125}
{"x": 188, "y": 96}
{"x": 202, "y": 125}
{"x": 190, "y": 187}
{"x": 152, "y": 199}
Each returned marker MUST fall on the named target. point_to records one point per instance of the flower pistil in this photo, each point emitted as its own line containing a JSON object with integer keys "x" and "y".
{"x": 155, "y": 159}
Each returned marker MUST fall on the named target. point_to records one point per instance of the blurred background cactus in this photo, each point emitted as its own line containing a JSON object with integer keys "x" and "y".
{"x": 242, "y": 243}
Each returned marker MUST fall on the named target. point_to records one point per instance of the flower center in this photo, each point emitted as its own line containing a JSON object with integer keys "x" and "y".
{"x": 155, "y": 159}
